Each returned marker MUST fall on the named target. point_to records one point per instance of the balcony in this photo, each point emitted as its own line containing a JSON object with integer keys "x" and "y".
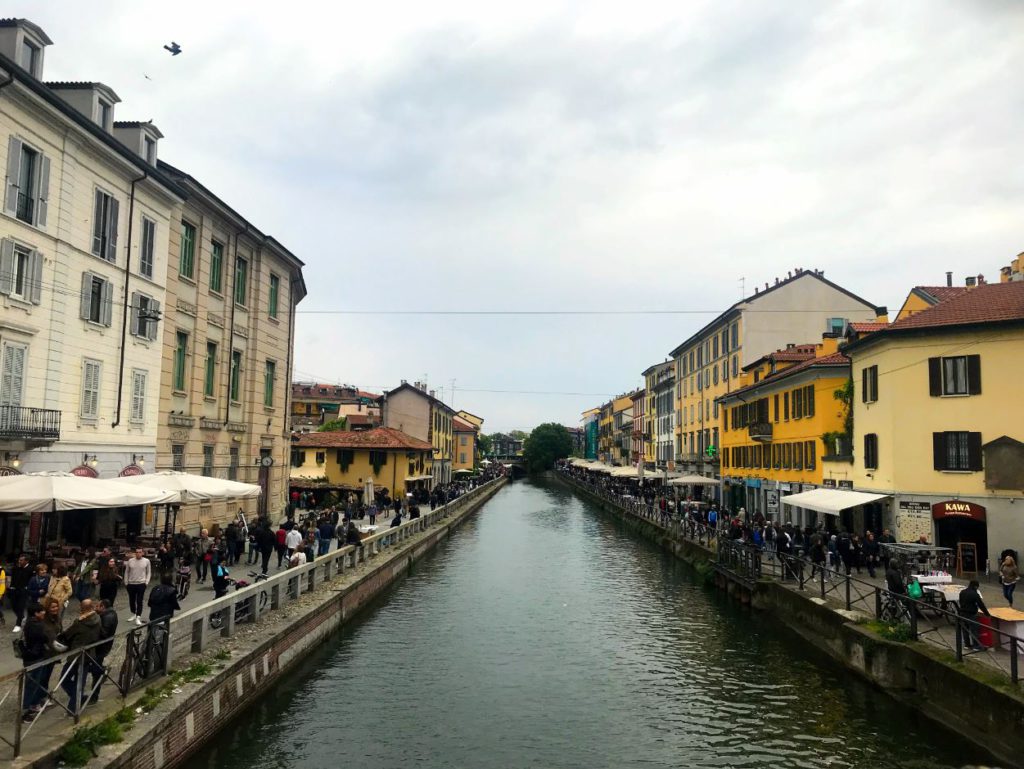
{"x": 761, "y": 431}
{"x": 28, "y": 424}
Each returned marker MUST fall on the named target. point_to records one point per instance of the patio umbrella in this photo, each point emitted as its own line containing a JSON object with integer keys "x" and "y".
{"x": 51, "y": 492}
{"x": 187, "y": 487}
{"x": 368, "y": 491}
{"x": 463, "y": 471}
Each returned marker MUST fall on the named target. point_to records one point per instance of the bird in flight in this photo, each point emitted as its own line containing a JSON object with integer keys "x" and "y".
{"x": 174, "y": 48}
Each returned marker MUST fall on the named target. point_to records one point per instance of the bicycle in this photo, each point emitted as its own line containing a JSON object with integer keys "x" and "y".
{"x": 894, "y": 609}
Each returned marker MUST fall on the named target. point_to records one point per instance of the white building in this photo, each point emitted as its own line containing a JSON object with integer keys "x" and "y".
{"x": 83, "y": 249}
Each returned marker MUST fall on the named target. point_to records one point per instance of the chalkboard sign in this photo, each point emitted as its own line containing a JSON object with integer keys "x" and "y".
{"x": 966, "y": 559}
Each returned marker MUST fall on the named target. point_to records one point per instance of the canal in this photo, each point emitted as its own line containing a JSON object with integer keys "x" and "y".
{"x": 545, "y": 635}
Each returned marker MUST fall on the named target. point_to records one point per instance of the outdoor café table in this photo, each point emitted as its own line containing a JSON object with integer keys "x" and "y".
{"x": 1009, "y": 621}
{"x": 933, "y": 579}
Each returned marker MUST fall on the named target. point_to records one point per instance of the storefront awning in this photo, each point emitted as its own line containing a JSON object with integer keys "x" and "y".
{"x": 413, "y": 478}
{"x": 831, "y": 501}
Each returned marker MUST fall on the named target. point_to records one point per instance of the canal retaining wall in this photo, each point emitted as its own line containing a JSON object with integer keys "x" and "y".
{"x": 989, "y": 713}
{"x": 259, "y": 654}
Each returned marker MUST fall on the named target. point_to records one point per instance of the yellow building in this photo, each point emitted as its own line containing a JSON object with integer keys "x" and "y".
{"x": 708, "y": 364}
{"x": 1013, "y": 271}
{"x": 937, "y": 424}
{"x": 772, "y": 429}
{"x": 922, "y": 297}
{"x": 465, "y": 444}
{"x": 604, "y": 432}
{"x": 622, "y": 429}
{"x": 648, "y": 416}
{"x": 345, "y": 460}
{"x": 416, "y": 411}
{"x": 473, "y": 419}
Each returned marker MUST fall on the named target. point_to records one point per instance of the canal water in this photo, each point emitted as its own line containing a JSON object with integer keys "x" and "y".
{"x": 545, "y": 635}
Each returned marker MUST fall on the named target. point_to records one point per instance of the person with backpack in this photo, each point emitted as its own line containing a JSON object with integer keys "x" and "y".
{"x": 163, "y": 600}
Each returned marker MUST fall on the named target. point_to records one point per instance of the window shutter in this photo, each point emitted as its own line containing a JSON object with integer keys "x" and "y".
{"x": 36, "y": 289}
{"x": 112, "y": 232}
{"x": 108, "y": 301}
{"x": 86, "y": 301}
{"x": 974, "y": 375}
{"x": 13, "y": 173}
{"x": 97, "y": 225}
{"x": 134, "y": 315}
{"x": 974, "y": 450}
{"x": 154, "y": 310}
{"x": 43, "y": 188}
{"x": 935, "y": 377}
{"x": 864, "y": 385}
{"x": 12, "y": 380}
{"x": 938, "y": 448}
{"x": 6, "y": 266}
{"x": 810, "y": 400}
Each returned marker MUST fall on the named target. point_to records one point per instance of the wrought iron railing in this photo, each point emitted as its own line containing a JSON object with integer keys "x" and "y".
{"x": 26, "y": 423}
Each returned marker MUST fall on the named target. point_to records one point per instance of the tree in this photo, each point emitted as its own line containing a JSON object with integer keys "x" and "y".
{"x": 333, "y": 426}
{"x": 518, "y": 435}
{"x": 547, "y": 443}
{"x": 483, "y": 442}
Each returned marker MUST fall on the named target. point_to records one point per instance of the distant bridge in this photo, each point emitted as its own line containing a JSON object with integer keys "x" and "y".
{"x": 516, "y": 463}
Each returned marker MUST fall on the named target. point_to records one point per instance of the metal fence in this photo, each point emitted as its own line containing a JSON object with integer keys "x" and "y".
{"x": 146, "y": 652}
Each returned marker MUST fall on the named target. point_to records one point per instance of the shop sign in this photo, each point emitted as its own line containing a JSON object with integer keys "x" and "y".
{"x": 784, "y": 486}
{"x": 773, "y": 501}
{"x": 956, "y": 508}
{"x": 846, "y": 485}
{"x": 829, "y": 483}
{"x": 913, "y": 506}
{"x": 753, "y": 483}
{"x": 131, "y": 470}
{"x": 6, "y": 471}
{"x": 84, "y": 471}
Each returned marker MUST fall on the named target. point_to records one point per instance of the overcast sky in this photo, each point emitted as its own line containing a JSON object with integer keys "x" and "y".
{"x": 573, "y": 156}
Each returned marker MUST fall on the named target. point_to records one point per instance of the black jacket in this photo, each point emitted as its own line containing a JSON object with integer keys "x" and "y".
{"x": 20, "y": 575}
{"x": 83, "y": 631}
{"x": 163, "y": 602}
{"x": 108, "y": 628}
{"x": 971, "y": 603}
{"x": 35, "y": 643}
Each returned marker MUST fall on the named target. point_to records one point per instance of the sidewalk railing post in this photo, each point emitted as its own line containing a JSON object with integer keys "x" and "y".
{"x": 848, "y": 604}
{"x": 878, "y": 603}
{"x": 1013, "y": 659}
{"x": 959, "y": 639}
{"x": 913, "y": 620}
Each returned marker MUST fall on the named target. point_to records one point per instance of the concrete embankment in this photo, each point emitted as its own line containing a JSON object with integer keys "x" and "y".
{"x": 258, "y": 654}
{"x": 983, "y": 706}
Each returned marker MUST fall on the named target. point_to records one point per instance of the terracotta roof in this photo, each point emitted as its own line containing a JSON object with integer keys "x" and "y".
{"x": 460, "y": 426}
{"x": 865, "y": 328}
{"x": 940, "y": 294}
{"x": 377, "y": 438}
{"x": 834, "y": 360}
{"x": 358, "y": 419}
{"x": 988, "y": 303}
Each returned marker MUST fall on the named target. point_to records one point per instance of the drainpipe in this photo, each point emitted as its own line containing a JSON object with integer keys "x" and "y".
{"x": 127, "y": 300}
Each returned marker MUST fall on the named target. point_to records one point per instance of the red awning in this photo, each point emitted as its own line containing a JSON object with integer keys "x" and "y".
{"x": 956, "y": 508}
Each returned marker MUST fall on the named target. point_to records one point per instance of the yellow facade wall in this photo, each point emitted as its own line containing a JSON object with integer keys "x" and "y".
{"x": 465, "y": 451}
{"x": 392, "y": 474}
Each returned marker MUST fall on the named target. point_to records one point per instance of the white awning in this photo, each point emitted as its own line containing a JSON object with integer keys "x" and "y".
{"x": 190, "y": 487}
{"x": 694, "y": 480}
{"x": 831, "y": 501}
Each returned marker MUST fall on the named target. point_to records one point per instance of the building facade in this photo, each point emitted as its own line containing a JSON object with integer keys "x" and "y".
{"x": 637, "y": 442}
{"x": 227, "y": 343}
{"x": 415, "y": 411}
{"x": 315, "y": 404}
{"x": 464, "y": 453}
{"x": 708, "y": 364}
{"x": 936, "y": 424}
{"x": 84, "y": 230}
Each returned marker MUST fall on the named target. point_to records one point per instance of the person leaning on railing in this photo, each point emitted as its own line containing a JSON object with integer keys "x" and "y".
{"x": 971, "y": 605}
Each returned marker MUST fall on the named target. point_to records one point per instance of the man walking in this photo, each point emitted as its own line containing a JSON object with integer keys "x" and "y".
{"x": 970, "y": 606}
{"x": 21, "y": 574}
{"x": 137, "y": 573}
{"x": 326, "y": 531}
{"x": 108, "y": 628}
{"x": 292, "y": 540}
{"x": 83, "y": 631}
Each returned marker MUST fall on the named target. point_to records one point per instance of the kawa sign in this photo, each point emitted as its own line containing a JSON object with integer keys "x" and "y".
{"x": 958, "y": 509}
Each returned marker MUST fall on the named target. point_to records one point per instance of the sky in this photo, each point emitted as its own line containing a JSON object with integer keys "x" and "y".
{"x": 557, "y": 156}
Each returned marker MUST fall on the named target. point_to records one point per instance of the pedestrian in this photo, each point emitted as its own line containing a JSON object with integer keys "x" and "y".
{"x": 21, "y": 575}
{"x": 36, "y": 645}
{"x": 281, "y": 537}
{"x": 230, "y": 541}
{"x": 165, "y": 558}
{"x": 185, "y": 574}
{"x": 3, "y": 591}
{"x": 108, "y": 629}
{"x": 182, "y": 543}
{"x": 221, "y": 579}
{"x": 817, "y": 553}
{"x": 326, "y": 531}
{"x": 110, "y": 580}
{"x": 266, "y": 541}
{"x": 292, "y": 541}
{"x": 297, "y": 558}
{"x": 60, "y": 588}
{"x": 871, "y": 550}
{"x": 371, "y": 511}
{"x": 203, "y": 555}
{"x": 1008, "y": 575}
{"x": 254, "y": 549}
{"x": 137, "y": 573}
{"x": 970, "y": 604}
{"x": 163, "y": 600}
{"x": 85, "y": 575}
{"x": 84, "y": 631}
{"x": 39, "y": 585}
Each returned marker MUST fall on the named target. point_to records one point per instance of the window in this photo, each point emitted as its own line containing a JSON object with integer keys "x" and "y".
{"x": 734, "y": 338}
{"x": 275, "y": 290}
{"x": 90, "y": 408}
{"x": 298, "y": 457}
{"x": 268, "y": 383}
{"x": 235, "y": 385}
{"x": 785, "y": 406}
{"x": 787, "y": 455}
{"x": 241, "y": 281}
{"x": 714, "y": 377}
{"x": 12, "y": 374}
{"x": 146, "y": 248}
{"x": 180, "y": 359}
{"x": 809, "y": 400}
{"x": 869, "y": 384}
{"x": 210, "y": 372}
{"x": 798, "y": 404}
{"x": 810, "y": 452}
{"x": 97, "y": 299}
{"x": 178, "y": 457}
{"x": 216, "y": 267}
{"x": 777, "y": 412}
{"x": 138, "y": 408}
{"x": 735, "y": 366}
{"x": 187, "y": 251}
{"x": 462, "y": 440}
{"x": 149, "y": 150}
{"x": 208, "y": 460}
{"x": 104, "y": 227}
{"x": 30, "y": 57}
{"x": 21, "y": 272}
{"x": 871, "y": 451}
{"x": 957, "y": 451}
{"x": 28, "y": 183}
{"x": 321, "y": 457}
{"x": 145, "y": 313}
{"x": 960, "y": 375}
{"x": 798, "y": 456}
{"x": 836, "y": 325}
{"x": 714, "y": 348}
{"x": 233, "y": 463}
{"x": 104, "y": 113}
{"x": 725, "y": 370}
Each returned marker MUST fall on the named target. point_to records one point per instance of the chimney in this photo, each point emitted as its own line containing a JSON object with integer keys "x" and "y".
{"x": 776, "y": 281}
{"x": 981, "y": 280}
{"x": 432, "y": 393}
{"x": 949, "y": 279}
{"x": 970, "y": 282}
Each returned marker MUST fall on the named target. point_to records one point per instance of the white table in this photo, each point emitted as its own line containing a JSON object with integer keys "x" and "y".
{"x": 933, "y": 579}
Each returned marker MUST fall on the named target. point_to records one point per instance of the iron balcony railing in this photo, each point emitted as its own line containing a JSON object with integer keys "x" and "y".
{"x": 761, "y": 431}
{"x": 22, "y": 422}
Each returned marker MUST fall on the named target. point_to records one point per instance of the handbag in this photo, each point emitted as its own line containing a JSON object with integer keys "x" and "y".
{"x": 914, "y": 590}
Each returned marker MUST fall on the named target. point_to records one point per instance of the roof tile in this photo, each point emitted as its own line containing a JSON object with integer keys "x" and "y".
{"x": 988, "y": 303}
{"x": 377, "y": 438}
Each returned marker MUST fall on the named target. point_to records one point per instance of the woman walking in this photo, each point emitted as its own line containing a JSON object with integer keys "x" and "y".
{"x": 60, "y": 588}
{"x": 1008, "y": 575}
{"x": 110, "y": 580}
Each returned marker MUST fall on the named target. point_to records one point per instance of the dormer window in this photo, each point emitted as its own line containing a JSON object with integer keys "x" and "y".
{"x": 105, "y": 114}
{"x": 149, "y": 150}
{"x": 30, "y": 57}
